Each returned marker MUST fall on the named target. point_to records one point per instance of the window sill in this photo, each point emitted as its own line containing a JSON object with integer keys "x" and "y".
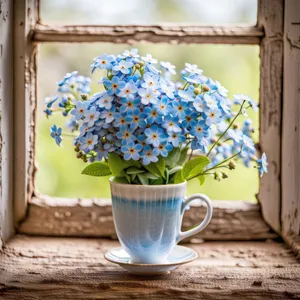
{"x": 232, "y": 220}
{"x": 73, "y": 268}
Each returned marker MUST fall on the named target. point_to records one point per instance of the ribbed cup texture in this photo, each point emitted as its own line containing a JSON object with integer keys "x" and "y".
{"x": 147, "y": 219}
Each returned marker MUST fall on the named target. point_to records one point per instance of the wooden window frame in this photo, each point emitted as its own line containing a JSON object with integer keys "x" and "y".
{"x": 41, "y": 215}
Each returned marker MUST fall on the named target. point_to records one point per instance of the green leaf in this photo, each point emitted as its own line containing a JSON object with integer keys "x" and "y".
{"x": 134, "y": 170}
{"x": 121, "y": 174}
{"x": 194, "y": 166}
{"x": 157, "y": 168}
{"x": 120, "y": 180}
{"x": 161, "y": 166}
{"x": 183, "y": 155}
{"x": 174, "y": 170}
{"x": 135, "y": 181}
{"x": 150, "y": 175}
{"x": 128, "y": 178}
{"x": 115, "y": 163}
{"x": 153, "y": 169}
{"x": 158, "y": 181}
{"x": 167, "y": 176}
{"x": 131, "y": 163}
{"x": 173, "y": 157}
{"x": 132, "y": 177}
{"x": 201, "y": 179}
{"x": 143, "y": 180}
{"x": 178, "y": 178}
{"x": 97, "y": 169}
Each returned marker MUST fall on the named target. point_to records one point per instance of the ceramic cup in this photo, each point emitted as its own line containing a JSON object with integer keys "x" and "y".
{"x": 148, "y": 219}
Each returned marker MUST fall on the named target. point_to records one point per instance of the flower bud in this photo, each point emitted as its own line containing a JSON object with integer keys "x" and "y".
{"x": 197, "y": 91}
{"x": 217, "y": 176}
{"x": 224, "y": 175}
{"x": 138, "y": 66}
{"x": 141, "y": 63}
{"x": 205, "y": 88}
{"x": 79, "y": 155}
{"x": 235, "y": 126}
{"x": 84, "y": 96}
{"x": 76, "y": 149}
{"x": 231, "y": 165}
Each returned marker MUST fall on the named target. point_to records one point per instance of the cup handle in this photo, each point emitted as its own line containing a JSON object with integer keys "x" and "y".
{"x": 200, "y": 227}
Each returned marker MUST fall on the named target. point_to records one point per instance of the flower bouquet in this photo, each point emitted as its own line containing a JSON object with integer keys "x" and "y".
{"x": 152, "y": 135}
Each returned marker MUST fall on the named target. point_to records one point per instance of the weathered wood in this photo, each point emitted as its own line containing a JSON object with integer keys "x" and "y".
{"x": 6, "y": 126}
{"x": 62, "y": 217}
{"x": 291, "y": 122}
{"x": 25, "y": 14}
{"x": 155, "y": 34}
{"x": 293, "y": 240}
{"x": 55, "y": 268}
{"x": 271, "y": 55}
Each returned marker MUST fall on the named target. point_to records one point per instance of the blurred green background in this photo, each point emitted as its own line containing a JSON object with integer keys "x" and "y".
{"x": 235, "y": 66}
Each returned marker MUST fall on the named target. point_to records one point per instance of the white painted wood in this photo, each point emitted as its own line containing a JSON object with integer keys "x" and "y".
{"x": 167, "y": 33}
{"x": 291, "y": 121}
{"x": 270, "y": 22}
{"x": 6, "y": 126}
{"x": 271, "y": 54}
{"x": 25, "y": 15}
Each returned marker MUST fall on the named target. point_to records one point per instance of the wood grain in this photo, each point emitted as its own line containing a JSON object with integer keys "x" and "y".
{"x": 167, "y": 33}
{"x": 271, "y": 55}
{"x": 232, "y": 220}
{"x": 6, "y": 124}
{"x": 55, "y": 268}
{"x": 291, "y": 121}
{"x": 25, "y": 15}
{"x": 293, "y": 241}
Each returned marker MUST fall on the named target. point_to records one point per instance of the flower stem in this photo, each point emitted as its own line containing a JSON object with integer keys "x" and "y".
{"x": 185, "y": 85}
{"x": 189, "y": 142}
{"x": 224, "y": 161}
{"x": 239, "y": 112}
{"x": 191, "y": 154}
{"x": 68, "y": 135}
{"x": 216, "y": 166}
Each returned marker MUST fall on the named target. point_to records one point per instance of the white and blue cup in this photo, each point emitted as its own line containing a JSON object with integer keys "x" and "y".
{"x": 148, "y": 219}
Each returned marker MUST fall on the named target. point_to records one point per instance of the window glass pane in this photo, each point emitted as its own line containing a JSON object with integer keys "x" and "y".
{"x": 149, "y": 11}
{"x": 236, "y": 67}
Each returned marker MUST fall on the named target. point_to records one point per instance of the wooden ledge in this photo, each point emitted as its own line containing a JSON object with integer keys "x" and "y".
{"x": 70, "y": 268}
{"x": 232, "y": 220}
{"x": 164, "y": 33}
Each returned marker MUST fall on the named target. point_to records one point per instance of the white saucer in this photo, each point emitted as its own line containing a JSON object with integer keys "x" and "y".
{"x": 179, "y": 256}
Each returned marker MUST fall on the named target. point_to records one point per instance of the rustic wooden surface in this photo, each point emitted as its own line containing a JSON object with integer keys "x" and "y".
{"x": 6, "y": 110}
{"x": 168, "y": 33}
{"x": 55, "y": 268}
{"x": 271, "y": 54}
{"x": 293, "y": 241}
{"x": 232, "y": 220}
{"x": 25, "y": 15}
{"x": 291, "y": 121}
